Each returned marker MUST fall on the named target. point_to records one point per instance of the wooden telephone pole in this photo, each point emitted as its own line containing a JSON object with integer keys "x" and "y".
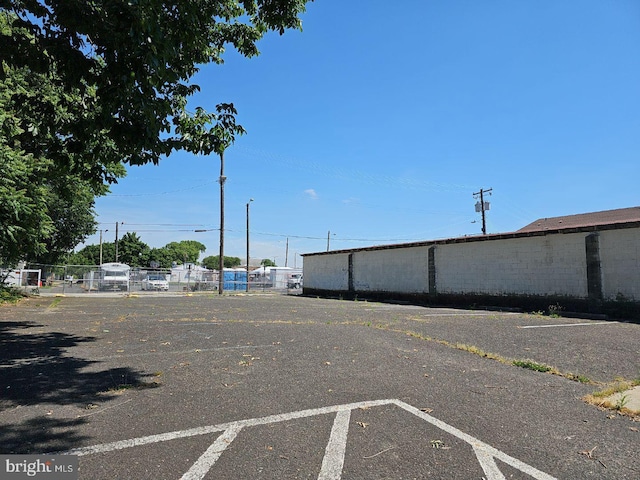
{"x": 482, "y": 206}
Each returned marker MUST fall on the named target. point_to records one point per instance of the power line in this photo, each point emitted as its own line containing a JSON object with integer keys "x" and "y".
{"x": 167, "y": 192}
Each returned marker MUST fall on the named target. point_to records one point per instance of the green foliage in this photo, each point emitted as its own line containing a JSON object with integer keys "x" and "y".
{"x": 531, "y": 365}
{"x": 132, "y": 69}
{"x": 184, "y": 251}
{"x": 70, "y": 208}
{"x": 232, "y": 262}
{"x": 212, "y": 262}
{"x": 133, "y": 251}
{"x": 90, "y": 255}
{"x": 47, "y": 189}
{"x": 162, "y": 256}
{"x": 555, "y": 310}
{"x": 268, "y": 263}
{"x": 80, "y": 97}
{"x": 10, "y": 294}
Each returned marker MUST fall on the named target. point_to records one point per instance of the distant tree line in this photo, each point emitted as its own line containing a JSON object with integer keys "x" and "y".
{"x": 135, "y": 253}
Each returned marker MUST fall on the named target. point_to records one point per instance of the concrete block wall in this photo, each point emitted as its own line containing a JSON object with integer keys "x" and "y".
{"x": 545, "y": 265}
{"x": 327, "y": 272}
{"x": 584, "y": 265}
{"x": 620, "y": 263}
{"x": 406, "y": 269}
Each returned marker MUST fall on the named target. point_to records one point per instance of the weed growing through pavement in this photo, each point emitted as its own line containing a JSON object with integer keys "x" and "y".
{"x": 607, "y": 398}
{"x": 531, "y": 365}
{"x": 621, "y": 402}
{"x": 578, "y": 378}
{"x": 620, "y": 385}
{"x": 55, "y": 302}
{"x": 555, "y": 310}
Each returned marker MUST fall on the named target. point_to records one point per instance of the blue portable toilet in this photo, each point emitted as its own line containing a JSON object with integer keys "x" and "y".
{"x": 235, "y": 279}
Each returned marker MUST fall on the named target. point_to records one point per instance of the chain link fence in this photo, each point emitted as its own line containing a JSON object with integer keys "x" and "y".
{"x": 119, "y": 278}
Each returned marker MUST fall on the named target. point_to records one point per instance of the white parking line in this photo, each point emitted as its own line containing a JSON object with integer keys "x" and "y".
{"x": 568, "y": 325}
{"x": 333, "y": 460}
{"x": 208, "y": 458}
{"x": 486, "y": 451}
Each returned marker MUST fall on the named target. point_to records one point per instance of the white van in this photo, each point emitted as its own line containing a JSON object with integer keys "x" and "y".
{"x": 114, "y": 276}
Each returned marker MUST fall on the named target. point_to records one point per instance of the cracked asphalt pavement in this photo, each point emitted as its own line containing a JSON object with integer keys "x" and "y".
{"x": 143, "y": 387}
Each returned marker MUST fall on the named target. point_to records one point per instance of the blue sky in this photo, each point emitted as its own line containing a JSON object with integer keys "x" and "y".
{"x": 380, "y": 120}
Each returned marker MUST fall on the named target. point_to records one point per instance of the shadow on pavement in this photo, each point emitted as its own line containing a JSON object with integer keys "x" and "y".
{"x": 41, "y": 435}
{"x": 35, "y": 368}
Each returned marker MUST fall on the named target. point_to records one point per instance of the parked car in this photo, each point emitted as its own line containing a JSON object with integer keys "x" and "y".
{"x": 155, "y": 282}
{"x": 295, "y": 281}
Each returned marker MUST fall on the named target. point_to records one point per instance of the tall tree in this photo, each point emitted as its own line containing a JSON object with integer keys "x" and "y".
{"x": 90, "y": 255}
{"x": 212, "y": 262}
{"x": 131, "y": 62}
{"x": 86, "y": 86}
{"x": 70, "y": 208}
{"x": 46, "y": 205}
{"x": 161, "y": 256}
{"x": 133, "y": 251}
{"x": 184, "y": 251}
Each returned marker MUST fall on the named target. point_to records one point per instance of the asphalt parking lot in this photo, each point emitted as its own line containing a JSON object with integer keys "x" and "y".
{"x": 275, "y": 386}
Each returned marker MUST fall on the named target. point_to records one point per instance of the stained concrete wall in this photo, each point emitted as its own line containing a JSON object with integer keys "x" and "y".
{"x": 620, "y": 263}
{"x": 330, "y": 273}
{"x": 545, "y": 265}
{"x": 586, "y": 265}
{"x": 407, "y": 269}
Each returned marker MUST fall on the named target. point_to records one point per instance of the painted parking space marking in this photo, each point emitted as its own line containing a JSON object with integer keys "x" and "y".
{"x": 208, "y": 458}
{"x": 590, "y": 324}
{"x": 333, "y": 460}
{"x": 334, "y": 454}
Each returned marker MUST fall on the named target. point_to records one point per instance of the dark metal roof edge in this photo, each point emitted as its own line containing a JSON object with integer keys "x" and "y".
{"x": 483, "y": 238}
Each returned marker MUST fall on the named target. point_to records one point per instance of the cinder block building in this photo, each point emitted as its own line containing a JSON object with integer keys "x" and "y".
{"x": 581, "y": 262}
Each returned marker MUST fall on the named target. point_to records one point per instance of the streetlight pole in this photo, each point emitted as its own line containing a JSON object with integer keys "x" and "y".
{"x": 329, "y": 239}
{"x": 101, "y": 245}
{"x": 250, "y": 200}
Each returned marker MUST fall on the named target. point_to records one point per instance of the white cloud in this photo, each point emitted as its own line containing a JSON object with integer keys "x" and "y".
{"x": 312, "y": 193}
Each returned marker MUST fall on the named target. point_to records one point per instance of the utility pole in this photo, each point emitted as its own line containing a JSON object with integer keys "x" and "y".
{"x": 222, "y": 179}
{"x": 329, "y": 239}
{"x": 482, "y": 206}
{"x": 116, "y": 242}
{"x": 286, "y": 254}
{"x": 250, "y": 200}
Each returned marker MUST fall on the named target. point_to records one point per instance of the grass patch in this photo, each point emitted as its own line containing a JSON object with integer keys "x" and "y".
{"x": 10, "y": 295}
{"x": 531, "y": 365}
{"x": 55, "y": 302}
{"x": 613, "y": 397}
{"x": 618, "y": 386}
{"x": 578, "y": 378}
